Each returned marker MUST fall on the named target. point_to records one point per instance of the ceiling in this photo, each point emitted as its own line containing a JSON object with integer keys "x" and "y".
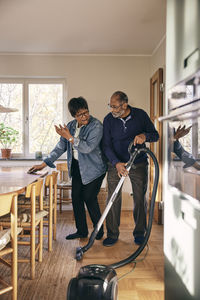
{"x": 126, "y": 27}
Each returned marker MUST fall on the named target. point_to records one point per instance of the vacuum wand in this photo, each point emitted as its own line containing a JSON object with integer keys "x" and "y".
{"x": 81, "y": 250}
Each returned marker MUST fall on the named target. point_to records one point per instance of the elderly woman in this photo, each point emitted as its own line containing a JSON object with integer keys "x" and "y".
{"x": 81, "y": 139}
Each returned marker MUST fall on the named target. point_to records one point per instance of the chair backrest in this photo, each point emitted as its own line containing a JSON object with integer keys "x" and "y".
{"x": 48, "y": 180}
{"x": 55, "y": 177}
{"x": 38, "y": 187}
{"x": 62, "y": 168}
{"x": 6, "y": 203}
{"x": 34, "y": 190}
{"x": 51, "y": 182}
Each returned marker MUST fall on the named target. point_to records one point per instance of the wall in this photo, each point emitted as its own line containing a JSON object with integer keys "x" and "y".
{"x": 93, "y": 77}
{"x": 158, "y": 58}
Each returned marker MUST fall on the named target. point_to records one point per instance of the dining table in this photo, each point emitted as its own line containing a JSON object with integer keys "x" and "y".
{"x": 16, "y": 179}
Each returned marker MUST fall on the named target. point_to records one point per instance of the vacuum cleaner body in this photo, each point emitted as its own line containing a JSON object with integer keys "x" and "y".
{"x": 94, "y": 282}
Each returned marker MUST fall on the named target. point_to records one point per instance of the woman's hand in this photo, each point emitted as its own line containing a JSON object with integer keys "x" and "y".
{"x": 181, "y": 131}
{"x": 63, "y": 131}
{"x": 36, "y": 168}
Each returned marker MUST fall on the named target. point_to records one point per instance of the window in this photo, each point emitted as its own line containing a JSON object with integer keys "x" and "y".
{"x": 11, "y": 95}
{"x": 40, "y": 106}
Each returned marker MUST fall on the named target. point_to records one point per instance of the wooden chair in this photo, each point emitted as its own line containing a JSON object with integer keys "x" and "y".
{"x": 50, "y": 204}
{"x": 63, "y": 185}
{"x": 31, "y": 219}
{"x": 8, "y": 205}
{"x": 55, "y": 178}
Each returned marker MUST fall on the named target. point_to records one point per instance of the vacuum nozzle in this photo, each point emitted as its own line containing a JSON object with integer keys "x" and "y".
{"x": 79, "y": 253}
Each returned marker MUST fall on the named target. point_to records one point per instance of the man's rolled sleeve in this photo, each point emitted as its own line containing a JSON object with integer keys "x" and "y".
{"x": 151, "y": 136}
{"x": 151, "y": 133}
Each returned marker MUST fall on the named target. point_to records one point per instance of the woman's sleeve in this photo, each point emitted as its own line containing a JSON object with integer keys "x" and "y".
{"x": 59, "y": 149}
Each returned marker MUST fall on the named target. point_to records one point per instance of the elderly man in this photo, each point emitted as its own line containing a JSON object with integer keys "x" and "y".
{"x": 123, "y": 125}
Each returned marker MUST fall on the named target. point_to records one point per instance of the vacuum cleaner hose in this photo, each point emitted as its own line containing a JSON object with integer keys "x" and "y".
{"x": 81, "y": 250}
{"x": 151, "y": 212}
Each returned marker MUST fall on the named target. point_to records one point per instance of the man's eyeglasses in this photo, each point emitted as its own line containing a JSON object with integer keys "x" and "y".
{"x": 81, "y": 115}
{"x": 114, "y": 106}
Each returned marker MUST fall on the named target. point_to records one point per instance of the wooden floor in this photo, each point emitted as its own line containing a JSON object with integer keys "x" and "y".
{"x": 145, "y": 282}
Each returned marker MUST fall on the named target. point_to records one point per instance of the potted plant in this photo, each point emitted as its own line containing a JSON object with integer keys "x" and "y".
{"x": 8, "y": 137}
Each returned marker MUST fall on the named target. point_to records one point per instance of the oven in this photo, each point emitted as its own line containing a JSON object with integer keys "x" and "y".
{"x": 182, "y": 191}
{"x": 181, "y": 186}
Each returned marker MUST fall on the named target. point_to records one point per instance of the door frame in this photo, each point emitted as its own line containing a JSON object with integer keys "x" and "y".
{"x": 155, "y": 113}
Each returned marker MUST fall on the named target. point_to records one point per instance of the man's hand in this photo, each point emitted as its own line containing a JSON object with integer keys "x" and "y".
{"x": 139, "y": 139}
{"x": 181, "y": 131}
{"x": 63, "y": 131}
{"x": 121, "y": 169}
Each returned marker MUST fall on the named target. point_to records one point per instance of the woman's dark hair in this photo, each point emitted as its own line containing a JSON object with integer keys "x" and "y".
{"x": 121, "y": 97}
{"x": 75, "y": 104}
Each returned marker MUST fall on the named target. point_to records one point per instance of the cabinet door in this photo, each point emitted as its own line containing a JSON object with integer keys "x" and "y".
{"x": 183, "y": 40}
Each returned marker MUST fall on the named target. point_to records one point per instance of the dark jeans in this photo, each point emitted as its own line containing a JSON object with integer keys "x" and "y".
{"x": 85, "y": 194}
{"x": 138, "y": 175}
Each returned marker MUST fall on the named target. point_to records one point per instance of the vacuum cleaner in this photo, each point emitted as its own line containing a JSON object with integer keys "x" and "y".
{"x": 99, "y": 282}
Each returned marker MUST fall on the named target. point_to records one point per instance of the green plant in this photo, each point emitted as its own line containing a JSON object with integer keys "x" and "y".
{"x": 8, "y": 136}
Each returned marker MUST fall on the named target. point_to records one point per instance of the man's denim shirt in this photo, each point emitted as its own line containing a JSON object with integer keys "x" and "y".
{"x": 91, "y": 161}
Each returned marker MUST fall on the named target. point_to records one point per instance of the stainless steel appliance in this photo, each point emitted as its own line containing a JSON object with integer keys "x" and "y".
{"x": 182, "y": 157}
{"x": 182, "y": 194}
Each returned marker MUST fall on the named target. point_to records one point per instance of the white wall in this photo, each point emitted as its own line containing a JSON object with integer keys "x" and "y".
{"x": 158, "y": 58}
{"x": 93, "y": 77}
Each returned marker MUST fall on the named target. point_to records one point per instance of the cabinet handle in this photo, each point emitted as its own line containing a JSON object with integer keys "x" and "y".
{"x": 192, "y": 57}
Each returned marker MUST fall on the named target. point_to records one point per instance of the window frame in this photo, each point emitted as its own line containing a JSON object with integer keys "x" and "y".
{"x": 25, "y": 107}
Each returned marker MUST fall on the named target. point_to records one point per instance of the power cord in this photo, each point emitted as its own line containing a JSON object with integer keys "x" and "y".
{"x": 135, "y": 263}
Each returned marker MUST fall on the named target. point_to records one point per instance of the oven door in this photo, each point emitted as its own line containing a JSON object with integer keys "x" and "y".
{"x": 184, "y": 151}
